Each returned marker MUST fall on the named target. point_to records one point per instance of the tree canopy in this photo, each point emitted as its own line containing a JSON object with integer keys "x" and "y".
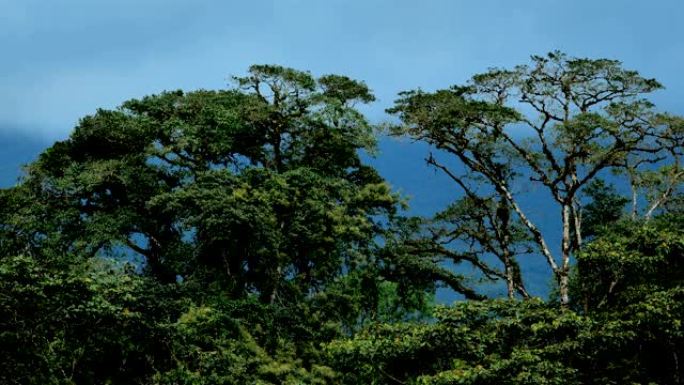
{"x": 558, "y": 122}
{"x": 237, "y": 236}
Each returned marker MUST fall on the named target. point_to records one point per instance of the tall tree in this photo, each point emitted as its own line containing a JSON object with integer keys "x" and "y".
{"x": 259, "y": 189}
{"x": 558, "y": 122}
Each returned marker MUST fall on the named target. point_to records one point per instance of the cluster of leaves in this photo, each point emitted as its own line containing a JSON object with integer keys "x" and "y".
{"x": 69, "y": 322}
{"x": 628, "y": 331}
{"x": 65, "y": 322}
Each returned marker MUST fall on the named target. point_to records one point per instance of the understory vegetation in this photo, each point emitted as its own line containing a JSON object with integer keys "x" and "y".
{"x": 238, "y": 237}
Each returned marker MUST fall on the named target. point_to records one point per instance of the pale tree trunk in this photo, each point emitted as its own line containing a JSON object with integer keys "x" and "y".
{"x": 662, "y": 199}
{"x": 563, "y": 284}
{"x": 577, "y": 222}
{"x": 563, "y": 271}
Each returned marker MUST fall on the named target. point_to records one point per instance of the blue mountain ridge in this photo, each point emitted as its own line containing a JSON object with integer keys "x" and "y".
{"x": 17, "y": 150}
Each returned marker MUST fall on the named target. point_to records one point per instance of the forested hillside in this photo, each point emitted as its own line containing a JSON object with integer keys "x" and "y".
{"x": 240, "y": 236}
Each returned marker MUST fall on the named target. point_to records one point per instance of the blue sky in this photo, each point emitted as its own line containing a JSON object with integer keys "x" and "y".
{"x": 62, "y": 59}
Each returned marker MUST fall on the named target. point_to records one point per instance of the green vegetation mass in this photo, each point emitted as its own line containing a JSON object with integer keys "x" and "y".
{"x": 237, "y": 237}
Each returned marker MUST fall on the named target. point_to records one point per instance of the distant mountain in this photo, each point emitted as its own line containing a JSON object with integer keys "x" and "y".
{"x": 16, "y": 150}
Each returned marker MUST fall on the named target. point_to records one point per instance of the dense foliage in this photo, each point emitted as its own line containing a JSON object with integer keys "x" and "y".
{"x": 626, "y": 327}
{"x": 237, "y": 237}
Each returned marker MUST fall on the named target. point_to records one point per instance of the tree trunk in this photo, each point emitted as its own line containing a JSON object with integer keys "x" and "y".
{"x": 562, "y": 273}
{"x": 503, "y": 215}
{"x": 563, "y": 288}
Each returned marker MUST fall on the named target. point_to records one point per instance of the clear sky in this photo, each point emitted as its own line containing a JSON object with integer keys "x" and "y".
{"x": 62, "y": 59}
